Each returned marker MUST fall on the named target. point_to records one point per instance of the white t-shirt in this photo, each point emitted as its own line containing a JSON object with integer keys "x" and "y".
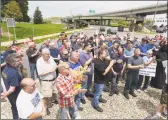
{"x": 164, "y": 63}
{"x": 28, "y": 103}
{"x": 43, "y": 66}
{"x": 146, "y": 59}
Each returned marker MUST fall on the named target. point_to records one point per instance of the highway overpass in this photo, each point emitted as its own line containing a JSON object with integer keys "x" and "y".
{"x": 135, "y": 15}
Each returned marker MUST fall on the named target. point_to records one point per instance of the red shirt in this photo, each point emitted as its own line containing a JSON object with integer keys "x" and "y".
{"x": 65, "y": 86}
{"x": 62, "y": 48}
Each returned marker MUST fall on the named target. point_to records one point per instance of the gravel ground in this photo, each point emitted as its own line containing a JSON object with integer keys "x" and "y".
{"x": 117, "y": 106}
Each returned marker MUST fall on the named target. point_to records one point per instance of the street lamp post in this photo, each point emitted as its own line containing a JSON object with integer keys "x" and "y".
{"x": 155, "y": 12}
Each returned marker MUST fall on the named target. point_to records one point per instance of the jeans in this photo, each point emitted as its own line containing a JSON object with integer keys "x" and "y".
{"x": 89, "y": 84}
{"x": 33, "y": 70}
{"x": 114, "y": 86}
{"x": 131, "y": 81}
{"x": 67, "y": 112}
{"x": 145, "y": 86}
{"x": 98, "y": 88}
{"x": 80, "y": 96}
{"x": 12, "y": 99}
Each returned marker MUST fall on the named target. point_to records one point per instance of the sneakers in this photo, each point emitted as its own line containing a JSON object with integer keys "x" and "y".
{"x": 83, "y": 101}
{"x": 126, "y": 96}
{"x": 111, "y": 94}
{"x": 139, "y": 90}
{"x": 145, "y": 90}
{"x": 106, "y": 89}
{"x": 117, "y": 92}
{"x": 102, "y": 100}
{"x": 99, "y": 109}
{"x": 80, "y": 109}
{"x": 133, "y": 94}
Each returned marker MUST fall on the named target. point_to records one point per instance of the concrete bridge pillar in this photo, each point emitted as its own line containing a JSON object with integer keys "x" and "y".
{"x": 104, "y": 22}
{"x": 109, "y": 22}
{"x": 139, "y": 20}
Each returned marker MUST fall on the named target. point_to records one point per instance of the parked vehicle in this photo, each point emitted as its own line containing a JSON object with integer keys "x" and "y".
{"x": 120, "y": 28}
{"x": 111, "y": 31}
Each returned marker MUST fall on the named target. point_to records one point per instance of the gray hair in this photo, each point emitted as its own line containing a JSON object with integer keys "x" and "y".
{"x": 45, "y": 50}
{"x": 150, "y": 52}
{"x": 12, "y": 59}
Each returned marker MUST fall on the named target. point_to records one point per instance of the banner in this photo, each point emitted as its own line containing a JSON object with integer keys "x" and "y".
{"x": 148, "y": 70}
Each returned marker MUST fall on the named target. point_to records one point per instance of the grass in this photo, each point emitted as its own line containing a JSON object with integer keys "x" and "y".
{"x": 38, "y": 41}
{"x": 116, "y": 25}
{"x": 25, "y": 30}
{"x": 151, "y": 33}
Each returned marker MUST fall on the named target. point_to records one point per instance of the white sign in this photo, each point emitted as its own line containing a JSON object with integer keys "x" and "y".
{"x": 164, "y": 63}
{"x": 10, "y": 22}
{"x": 148, "y": 70}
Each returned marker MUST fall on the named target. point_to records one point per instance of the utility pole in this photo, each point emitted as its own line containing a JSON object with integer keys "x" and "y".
{"x": 155, "y": 12}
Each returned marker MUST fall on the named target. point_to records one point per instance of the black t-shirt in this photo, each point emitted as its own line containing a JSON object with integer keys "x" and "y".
{"x": 99, "y": 68}
{"x": 30, "y": 52}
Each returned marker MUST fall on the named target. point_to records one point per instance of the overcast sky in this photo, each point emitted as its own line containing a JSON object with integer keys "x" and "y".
{"x": 66, "y": 8}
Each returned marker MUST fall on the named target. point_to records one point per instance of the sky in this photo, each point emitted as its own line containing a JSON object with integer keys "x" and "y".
{"x": 68, "y": 8}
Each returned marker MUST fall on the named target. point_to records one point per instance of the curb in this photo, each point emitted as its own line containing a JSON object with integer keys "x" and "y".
{"x": 36, "y": 38}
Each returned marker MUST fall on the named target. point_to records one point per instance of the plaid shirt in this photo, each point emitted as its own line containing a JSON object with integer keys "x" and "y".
{"x": 65, "y": 86}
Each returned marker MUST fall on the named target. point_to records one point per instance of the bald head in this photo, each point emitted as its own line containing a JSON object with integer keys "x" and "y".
{"x": 25, "y": 82}
{"x": 45, "y": 51}
{"x": 28, "y": 85}
{"x": 137, "y": 52}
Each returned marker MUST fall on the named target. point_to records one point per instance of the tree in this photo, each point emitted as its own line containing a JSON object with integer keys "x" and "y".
{"x": 139, "y": 27}
{"x": 123, "y": 23}
{"x": 23, "y": 5}
{"x": 12, "y": 10}
{"x": 24, "y": 9}
{"x": 38, "y": 19}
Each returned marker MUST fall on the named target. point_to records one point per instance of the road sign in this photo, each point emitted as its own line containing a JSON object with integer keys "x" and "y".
{"x": 91, "y": 11}
{"x": 10, "y": 22}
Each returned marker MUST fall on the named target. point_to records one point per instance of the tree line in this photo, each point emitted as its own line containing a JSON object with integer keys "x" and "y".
{"x": 18, "y": 9}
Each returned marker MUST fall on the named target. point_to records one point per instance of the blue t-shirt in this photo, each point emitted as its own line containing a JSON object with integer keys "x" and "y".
{"x": 143, "y": 48}
{"x": 11, "y": 77}
{"x": 85, "y": 57}
{"x": 129, "y": 53}
{"x": 74, "y": 66}
{"x": 54, "y": 52}
{"x": 150, "y": 46}
{"x": 110, "y": 44}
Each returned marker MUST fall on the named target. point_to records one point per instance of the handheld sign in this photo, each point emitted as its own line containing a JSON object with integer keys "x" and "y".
{"x": 148, "y": 70}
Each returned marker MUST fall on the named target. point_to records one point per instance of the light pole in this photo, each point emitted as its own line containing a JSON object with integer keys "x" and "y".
{"x": 155, "y": 12}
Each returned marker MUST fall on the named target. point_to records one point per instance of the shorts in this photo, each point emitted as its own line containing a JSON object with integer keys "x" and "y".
{"x": 47, "y": 88}
{"x": 164, "y": 95}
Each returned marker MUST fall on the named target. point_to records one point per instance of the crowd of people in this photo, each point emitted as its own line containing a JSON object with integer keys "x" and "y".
{"x": 70, "y": 69}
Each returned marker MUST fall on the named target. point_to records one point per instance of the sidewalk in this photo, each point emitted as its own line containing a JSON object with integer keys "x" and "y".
{"x": 36, "y": 38}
